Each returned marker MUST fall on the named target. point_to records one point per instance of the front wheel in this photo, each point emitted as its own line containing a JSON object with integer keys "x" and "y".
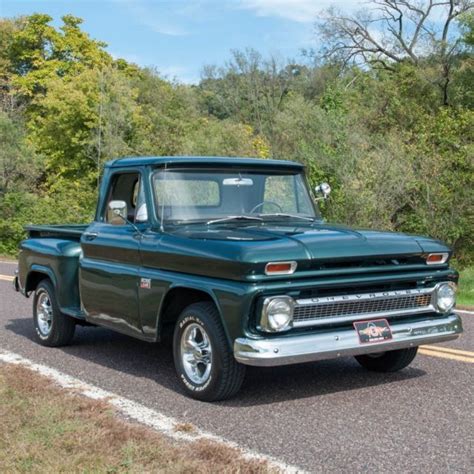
{"x": 204, "y": 362}
{"x": 52, "y": 328}
{"x": 390, "y": 361}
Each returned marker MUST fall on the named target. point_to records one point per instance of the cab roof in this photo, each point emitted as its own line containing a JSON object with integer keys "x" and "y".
{"x": 200, "y": 160}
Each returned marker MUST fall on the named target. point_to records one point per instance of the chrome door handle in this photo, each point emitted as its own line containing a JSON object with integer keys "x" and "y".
{"x": 90, "y": 235}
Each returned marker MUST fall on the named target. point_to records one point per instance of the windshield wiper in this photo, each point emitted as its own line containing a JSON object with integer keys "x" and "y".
{"x": 293, "y": 216}
{"x": 234, "y": 218}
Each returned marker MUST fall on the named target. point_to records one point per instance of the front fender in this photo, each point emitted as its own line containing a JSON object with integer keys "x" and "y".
{"x": 232, "y": 299}
{"x": 185, "y": 294}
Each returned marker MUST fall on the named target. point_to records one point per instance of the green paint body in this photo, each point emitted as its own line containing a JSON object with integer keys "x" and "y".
{"x": 99, "y": 280}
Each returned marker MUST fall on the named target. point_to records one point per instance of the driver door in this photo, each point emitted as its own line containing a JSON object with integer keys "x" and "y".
{"x": 110, "y": 263}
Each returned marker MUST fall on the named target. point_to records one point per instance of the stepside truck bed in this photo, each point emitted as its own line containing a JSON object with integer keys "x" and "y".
{"x": 53, "y": 251}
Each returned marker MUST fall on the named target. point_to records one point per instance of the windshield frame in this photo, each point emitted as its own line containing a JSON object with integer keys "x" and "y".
{"x": 262, "y": 170}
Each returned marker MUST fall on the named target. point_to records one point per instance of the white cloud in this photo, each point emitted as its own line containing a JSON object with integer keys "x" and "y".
{"x": 129, "y": 57}
{"x": 159, "y": 26}
{"x": 301, "y": 11}
{"x": 156, "y": 17}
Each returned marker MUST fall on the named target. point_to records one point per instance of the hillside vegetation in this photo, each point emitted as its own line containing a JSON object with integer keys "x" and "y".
{"x": 387, "y": 120}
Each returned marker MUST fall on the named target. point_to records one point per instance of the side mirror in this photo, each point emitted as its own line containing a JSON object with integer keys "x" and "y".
{"x": 117, "y": 212}
{"x": 323, "y": 189}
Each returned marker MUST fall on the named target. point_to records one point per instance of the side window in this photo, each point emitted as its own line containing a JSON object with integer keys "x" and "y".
{"x": 126, "y": 188}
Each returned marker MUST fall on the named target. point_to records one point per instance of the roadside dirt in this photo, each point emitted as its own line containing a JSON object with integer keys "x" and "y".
{"x": 49, "y": 429}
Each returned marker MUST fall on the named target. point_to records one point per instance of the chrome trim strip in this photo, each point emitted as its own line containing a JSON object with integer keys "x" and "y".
{"x": 343, "y": 343}
{"x": 374, "y": 296}
{"x": 365, "y": 296}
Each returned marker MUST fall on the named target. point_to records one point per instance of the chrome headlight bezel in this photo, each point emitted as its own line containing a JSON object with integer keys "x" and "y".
{"x": 277, "y": 314}
{"x": 445, "y": 297}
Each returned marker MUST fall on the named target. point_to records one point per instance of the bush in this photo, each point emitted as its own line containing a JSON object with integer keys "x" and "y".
{"x": 68, "y": 204}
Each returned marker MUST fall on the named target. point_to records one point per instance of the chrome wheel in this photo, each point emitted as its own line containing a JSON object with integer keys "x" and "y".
{"x": 196, "y": 353}
{"x": 44, "y": 313}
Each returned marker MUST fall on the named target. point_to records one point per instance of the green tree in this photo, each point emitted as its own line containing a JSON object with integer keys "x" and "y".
{"x": 211, "y": 137}
{"x": 442, "y": 205}
{"x": 19, "y": 163}
{"x": 467, "y": 26}
{"x": 390, "y": 33}
{"x": 86, "y": 120}
{"x": 38, "y": 52}
{"x": 249, "y": 89}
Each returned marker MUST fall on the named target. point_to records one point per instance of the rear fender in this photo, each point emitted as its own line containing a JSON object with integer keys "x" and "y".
{"x": 35, "y": 275}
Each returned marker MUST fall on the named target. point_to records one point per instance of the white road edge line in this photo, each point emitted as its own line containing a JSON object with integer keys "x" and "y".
{"x": 463, "y": 311}
{"x": 138, "y": 412}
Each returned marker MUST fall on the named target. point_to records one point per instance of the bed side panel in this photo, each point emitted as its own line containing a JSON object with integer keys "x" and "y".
{"x": 56, "y": 258}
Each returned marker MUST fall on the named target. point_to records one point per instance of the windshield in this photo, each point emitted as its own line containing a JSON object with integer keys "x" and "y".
{"x": 195, "y": 196}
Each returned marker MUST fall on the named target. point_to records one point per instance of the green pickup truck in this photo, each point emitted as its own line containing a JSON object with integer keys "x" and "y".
{"x": 230, "y": 258}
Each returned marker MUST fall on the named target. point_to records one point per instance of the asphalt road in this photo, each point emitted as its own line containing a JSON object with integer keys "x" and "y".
{"x": 329, "y": 416}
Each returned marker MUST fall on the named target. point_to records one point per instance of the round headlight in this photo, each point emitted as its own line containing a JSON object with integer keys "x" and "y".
{"x": 445, "y": 297}
{"x": 277, "y": 313}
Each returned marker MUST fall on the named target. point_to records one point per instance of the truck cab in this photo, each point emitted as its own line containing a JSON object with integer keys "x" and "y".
{"x": 230, "y": 257}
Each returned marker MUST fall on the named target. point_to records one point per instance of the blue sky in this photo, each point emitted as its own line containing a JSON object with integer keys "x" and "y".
{"x": 179, "y": 37}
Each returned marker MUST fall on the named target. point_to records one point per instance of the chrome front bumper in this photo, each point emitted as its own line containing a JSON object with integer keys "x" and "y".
{"x": 343, "y": 343}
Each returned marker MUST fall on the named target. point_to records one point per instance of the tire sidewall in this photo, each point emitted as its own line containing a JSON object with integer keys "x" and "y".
{"x": 45, "y": 287}
{"x": 190, "y": 316}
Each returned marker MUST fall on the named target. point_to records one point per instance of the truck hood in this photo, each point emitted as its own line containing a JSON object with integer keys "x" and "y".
{"x": 315, "y": 242}
{"x": 236, "y": 251}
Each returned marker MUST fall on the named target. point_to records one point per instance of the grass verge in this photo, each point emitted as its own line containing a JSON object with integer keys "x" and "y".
{"x": 48, "y": 429}
{"x": 465, "y": 296}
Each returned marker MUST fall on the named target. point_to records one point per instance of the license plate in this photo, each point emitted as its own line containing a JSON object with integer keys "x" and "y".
{"x": 377, "y": 330}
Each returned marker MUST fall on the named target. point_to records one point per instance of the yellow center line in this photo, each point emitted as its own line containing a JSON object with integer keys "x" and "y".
{"x": 446, "y": 355}
{"x": 6, "y": 277}
{"x": 449, "y": 350}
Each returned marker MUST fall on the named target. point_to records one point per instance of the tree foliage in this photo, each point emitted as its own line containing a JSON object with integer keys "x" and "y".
{"x": 384, "y": 113}
{"x": 398, "y": 32}
{"x": 19, "y": 163}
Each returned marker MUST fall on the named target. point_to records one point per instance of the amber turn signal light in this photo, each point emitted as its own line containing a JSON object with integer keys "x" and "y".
{"x": 436, "y": 258}
{"x": 280, "y": 268}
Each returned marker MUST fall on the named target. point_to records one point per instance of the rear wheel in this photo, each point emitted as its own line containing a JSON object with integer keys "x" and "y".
{"x": 204, "y": 362}
{"x": 52, "y": 328}
{"x": 390, "y": 361}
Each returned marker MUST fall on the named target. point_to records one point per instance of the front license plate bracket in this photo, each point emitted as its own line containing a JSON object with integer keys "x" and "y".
{"x": 375, "y": 330}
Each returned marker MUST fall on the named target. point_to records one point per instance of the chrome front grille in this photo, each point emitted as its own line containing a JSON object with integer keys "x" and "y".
{"x": 346, "y": 308}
